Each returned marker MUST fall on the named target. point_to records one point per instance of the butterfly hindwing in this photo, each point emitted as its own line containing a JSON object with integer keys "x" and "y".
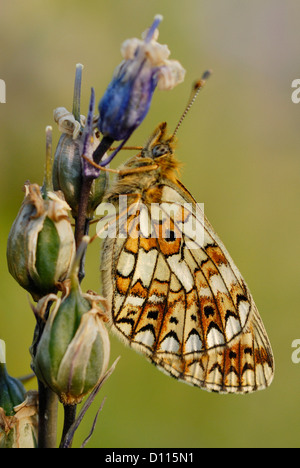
{"x": 180, "y": 300}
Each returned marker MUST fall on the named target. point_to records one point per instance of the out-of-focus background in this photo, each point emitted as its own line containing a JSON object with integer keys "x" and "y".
{"x": 240, "y": 151}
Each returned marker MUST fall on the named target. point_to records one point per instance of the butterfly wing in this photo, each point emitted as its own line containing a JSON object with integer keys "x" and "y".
{"x": 178, "y": 298}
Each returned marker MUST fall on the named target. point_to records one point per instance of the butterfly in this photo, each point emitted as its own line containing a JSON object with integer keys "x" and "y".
{"x": 176, "y": 295}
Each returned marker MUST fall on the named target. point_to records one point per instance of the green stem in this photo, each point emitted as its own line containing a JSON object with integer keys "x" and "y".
{"x": 69, "y": 419}
{"x": 48, "y": 406}
{"x": 82, "y": 219}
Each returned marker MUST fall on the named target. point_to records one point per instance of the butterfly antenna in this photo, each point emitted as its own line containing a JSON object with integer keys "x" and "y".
{"x": 198, "y": 85}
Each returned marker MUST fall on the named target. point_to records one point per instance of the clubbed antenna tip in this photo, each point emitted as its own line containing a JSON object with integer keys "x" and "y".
{"x": 196, "y": 88}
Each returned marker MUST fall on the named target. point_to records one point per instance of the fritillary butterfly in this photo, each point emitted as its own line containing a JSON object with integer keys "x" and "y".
{"x": 175, "y": 297}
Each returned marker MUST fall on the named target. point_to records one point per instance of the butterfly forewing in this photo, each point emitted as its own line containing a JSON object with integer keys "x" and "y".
{"x": 178, "y": 298}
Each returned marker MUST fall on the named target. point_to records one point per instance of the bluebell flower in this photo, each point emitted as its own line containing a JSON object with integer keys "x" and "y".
{"x": 128, "y": 96}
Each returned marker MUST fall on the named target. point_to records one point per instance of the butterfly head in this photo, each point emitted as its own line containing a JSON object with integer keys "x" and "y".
{"x": 160, "y": 145}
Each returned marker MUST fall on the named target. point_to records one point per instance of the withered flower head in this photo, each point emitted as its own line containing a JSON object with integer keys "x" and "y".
{"x": 128, "y": 96}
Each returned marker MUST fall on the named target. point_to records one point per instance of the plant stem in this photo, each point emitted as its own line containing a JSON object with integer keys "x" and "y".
{"x": 69, "y": 419}
{"x": 48, "y": 403}
{"x": 82, "y": 219}
{"x": 81, "y": 229}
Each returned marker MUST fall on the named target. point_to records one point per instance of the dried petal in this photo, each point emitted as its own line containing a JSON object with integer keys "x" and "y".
{"x": 20, "y": 430}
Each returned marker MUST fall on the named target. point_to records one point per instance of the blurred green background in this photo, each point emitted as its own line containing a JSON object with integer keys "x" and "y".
{"x": 240, "y": 149}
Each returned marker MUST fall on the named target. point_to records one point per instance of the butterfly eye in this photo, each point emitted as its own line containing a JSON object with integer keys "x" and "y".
{"x": 159, "y": 150}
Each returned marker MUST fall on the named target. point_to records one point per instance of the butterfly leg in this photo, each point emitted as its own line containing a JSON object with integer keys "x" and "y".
{"x": 122, "y": 172}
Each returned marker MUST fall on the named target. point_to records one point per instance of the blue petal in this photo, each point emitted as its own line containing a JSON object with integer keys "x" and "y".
{"x": 125, "y": 104}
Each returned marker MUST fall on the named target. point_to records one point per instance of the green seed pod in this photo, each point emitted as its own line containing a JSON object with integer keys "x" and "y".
{"x": 18, "y": 410}
{"x": 67, "y": 173}
{"x": 73, "y": 352}
{"x": 41, "y": 244}
{"x": 68, "y": 162}
{"x": 12, "y": 391}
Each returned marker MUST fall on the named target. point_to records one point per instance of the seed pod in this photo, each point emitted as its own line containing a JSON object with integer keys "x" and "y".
{"x": 73, "y": 352}
{"x": 41, "y": 244}
{"x": 20, "y": 430}
{"x": 67, "y": 173}
{"x": 78, "y": 137}
{"x": 12, "y": 391}
{"x": 18, "y": 411}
